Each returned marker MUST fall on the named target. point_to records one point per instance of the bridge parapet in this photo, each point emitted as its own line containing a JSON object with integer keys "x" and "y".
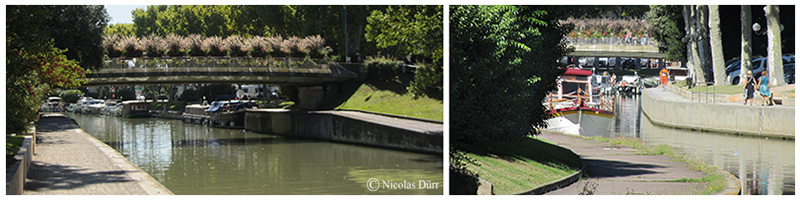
{"x": 301, "y": 73}
{"x": 634, "y": 41}
{"x": 166, "y": 62}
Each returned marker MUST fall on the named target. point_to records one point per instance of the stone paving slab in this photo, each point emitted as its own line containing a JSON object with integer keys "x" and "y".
{"x": 619, "y": 170}
{"x": 69, "y": 161}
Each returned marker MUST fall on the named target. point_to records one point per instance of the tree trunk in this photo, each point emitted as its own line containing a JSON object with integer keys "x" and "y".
{"x": 703, "y": 47}
{"x": 747, "y": 37}
{"x": 715, "y": 36}
{"x": 774, "y": 60}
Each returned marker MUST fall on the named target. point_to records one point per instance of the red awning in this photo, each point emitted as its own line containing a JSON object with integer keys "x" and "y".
{"x": 580, "y": 72}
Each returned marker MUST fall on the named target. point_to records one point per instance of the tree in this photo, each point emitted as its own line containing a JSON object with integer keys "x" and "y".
{"x": 747, "y": 49}
{"x": 715, "y": 36}
{"x": 503, "y": 63}
{"x": 121, "y": 29}
{"x": 33, "y": 64}
{"x": 667, "y": 28}
{"x": 774, "y": 60}
{"x": 411, "y": 30}
{"x": 79, "y": 29}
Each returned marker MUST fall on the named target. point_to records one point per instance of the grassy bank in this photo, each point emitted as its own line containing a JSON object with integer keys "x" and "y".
{"x": 714, "y": 181}
{"x": 393, "y": 98}
{"x": 516, "y": 167}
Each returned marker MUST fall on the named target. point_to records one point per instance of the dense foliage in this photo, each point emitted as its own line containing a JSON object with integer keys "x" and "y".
{"x": 502, "y": 64}
{"x": 668, "y": 29}
{"x": 599, "y": 27}
{"x": 256, "y": 20}
{"x": 403, "y": 31}
{"x": 382, "y": 68}
{"x": 33, "y": 62}
{"x": 195, "y": 45}
{"x": 79, "y": 30}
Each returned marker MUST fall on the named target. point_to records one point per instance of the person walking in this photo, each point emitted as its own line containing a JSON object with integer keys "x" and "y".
{"x": 749, "y": 91}
{"x": 763, "y": 88}
{"x": 664, "y": 75}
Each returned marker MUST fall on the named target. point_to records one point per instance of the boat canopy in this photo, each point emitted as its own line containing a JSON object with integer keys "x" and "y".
{"x": 234, "y": 105}
{"x": 580, "y": 72}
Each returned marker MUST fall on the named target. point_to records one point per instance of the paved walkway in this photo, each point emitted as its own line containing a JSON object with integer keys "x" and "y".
{"x": 414, "y": 125}
{"x": 618, "y": 170}
{"x": 69, "y": 161}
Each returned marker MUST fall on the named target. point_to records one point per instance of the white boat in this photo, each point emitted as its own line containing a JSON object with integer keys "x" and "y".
{"x": 575, "y": 109}
{"x": 54, "y": 104}
{"x": 631, "y": 83}
{"x": 195, "y": 113}
{"x": 93, "y": 107}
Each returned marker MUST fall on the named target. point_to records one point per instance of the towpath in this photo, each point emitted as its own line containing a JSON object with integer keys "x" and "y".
{"x": 619, "y": 170}
{"x": 69, "y": 161}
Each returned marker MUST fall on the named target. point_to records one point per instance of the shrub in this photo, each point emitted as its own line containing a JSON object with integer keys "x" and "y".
{"x": 382, "y": 68}
{"x": 278, "y": 46}
{"x": 316, "y": 46}
{"x": 70, "y": 96}
{"x": 174, "y": 45}
{"x": 152, "y": 45}
{"x": 296, "y": 46}
{"x": 235, "y": 45}
{"x": 194, "y": 43}
{"x": 110, "y": 45}
{"x": 258, "y": 46}
{"x": 426, "y": 79}
{"x": 214, "y": 46}
{"x": 130, "y": 47}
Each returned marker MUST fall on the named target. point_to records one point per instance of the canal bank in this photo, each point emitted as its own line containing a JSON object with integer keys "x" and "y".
{"x": 354, "y": 127}
{"x": 666, "y": 108}
{"x": 69, "y": 161}
{"x": 618, "y": 169}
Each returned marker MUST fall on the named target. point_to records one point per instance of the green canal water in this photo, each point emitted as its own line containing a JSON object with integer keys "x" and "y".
{"x": 763, "y": 165}
{"x": 193, "y": 159}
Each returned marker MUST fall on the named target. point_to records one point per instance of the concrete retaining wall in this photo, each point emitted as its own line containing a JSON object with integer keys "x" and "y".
{"x": 331, "y": 127}
{"x": 16, "y": 173}
{"x": 772, "y": 121}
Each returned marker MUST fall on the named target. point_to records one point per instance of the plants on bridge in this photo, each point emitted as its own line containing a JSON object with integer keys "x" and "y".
{"x": 235, "y": 45}
{"x": 153, "y": 46}
{"x": 174, "y": 45}
{"x": 130, "y": 46}
{"x": 258, "y": 46}
{"x": 214, "y": 46}
{"x": 110, "y": 45}
{"x": 194, "y": 43}
{"x": 197, "y": 46}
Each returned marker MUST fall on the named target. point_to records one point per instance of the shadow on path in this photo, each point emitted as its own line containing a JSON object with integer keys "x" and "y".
{"x": 50, "y": 124}
{"x": 609, "y": 168}
{"x": 59, "y": 177}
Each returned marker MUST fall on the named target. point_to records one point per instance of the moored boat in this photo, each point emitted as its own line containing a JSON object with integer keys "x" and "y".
{"x": 93, "y": 107}
{"x": 195, "y": 113}
{"x": 575, "y": 109}
{"x": 227, "y": 113}
{"x": 135, "y": 109}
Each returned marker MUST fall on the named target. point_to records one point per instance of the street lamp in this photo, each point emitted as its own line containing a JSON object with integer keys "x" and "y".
{"x": 759, "y": 31}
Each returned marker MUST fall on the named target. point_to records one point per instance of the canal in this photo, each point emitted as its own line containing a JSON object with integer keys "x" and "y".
{"x": 193, "y": 159}
{"x": 763, "y": 165}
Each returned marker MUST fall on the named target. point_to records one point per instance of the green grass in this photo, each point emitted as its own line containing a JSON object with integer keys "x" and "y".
{"x": 13, "y": 143}
{"x": 392, "y": 98}
{"x": 516, "y": 167}
{"x": 715, "y": 182}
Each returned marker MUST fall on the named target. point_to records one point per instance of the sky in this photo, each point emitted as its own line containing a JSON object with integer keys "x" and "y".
{"x": 121, "y": 13}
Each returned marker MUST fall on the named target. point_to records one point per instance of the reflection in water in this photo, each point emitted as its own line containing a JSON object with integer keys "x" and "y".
{"x": 764, "y": 166}
{"x": 193, "y": 159}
